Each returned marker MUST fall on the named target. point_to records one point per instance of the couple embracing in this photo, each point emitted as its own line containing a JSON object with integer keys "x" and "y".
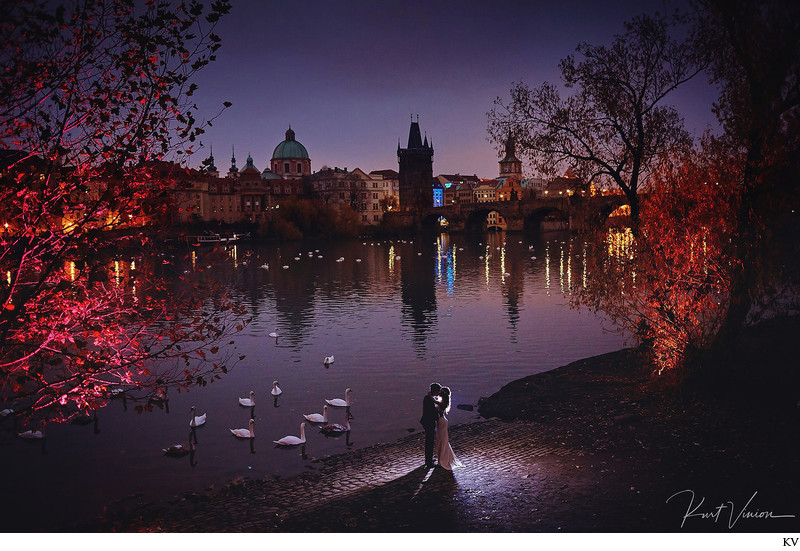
{"x": 435, "y": 406}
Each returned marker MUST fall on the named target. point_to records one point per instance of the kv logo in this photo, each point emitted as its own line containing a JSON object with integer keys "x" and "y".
{"x": 790, "y": 542}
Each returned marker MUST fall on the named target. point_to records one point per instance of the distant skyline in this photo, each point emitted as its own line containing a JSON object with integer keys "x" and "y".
{"x": 349, "y": 76}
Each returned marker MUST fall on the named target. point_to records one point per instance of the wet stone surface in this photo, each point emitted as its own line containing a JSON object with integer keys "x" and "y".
{"x": 517, "y": 478}
{"x": 595, "y": 446}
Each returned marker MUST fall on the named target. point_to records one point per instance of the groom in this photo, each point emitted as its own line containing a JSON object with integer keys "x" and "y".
{"x": 429, "y": 418}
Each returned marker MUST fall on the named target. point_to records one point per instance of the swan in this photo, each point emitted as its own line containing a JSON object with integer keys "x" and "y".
{"x": 276, "y": 390}
{"x": 197, "y": 420}
{"x": 317, "y": 417}
{"x": 176, "y": 451}
{"x": 31, "y": 434}
{"x": 6, "y": 412}
{"x": 338, "y": 402}
{"x": 274, "y": 334}
{"x": 293, "y": 440}
{"x": 335, "y": 429}
{"x": 328, "y": 360}
{"x": 244, "y": 433}
{"x": 248, "y": 402}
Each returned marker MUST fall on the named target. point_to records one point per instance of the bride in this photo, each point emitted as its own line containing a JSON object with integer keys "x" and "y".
{"x": 444, "y": 453}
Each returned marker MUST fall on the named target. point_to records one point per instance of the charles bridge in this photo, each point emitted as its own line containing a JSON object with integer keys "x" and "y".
{"x": 574, "y": 212}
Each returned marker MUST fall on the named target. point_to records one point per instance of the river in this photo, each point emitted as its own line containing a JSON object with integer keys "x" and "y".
{"x": 470, "y": 312}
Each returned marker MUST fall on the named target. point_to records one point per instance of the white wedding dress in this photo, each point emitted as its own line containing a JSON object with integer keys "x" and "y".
{"x": 444, "y": 453}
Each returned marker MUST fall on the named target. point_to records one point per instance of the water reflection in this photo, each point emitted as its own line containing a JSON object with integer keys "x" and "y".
{"x": 471, "y": 312}
{"x": 570, "y": 257}
{"x": 418, "y": 292}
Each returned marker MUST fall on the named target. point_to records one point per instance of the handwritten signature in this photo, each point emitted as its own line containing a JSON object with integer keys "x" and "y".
{"x": 694, "y": 510}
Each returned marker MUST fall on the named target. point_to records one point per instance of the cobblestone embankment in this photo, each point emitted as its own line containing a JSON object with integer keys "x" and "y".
{"x": 598, "y": 449}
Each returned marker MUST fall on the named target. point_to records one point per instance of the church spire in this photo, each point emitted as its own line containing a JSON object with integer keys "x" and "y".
{"x": 211, "y": 167}
{"x": 233, "y": 170}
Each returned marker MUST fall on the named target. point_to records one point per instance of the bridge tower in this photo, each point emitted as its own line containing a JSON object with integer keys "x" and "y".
{"x": 416, "y": 171}
{"x": 510, "y": 165}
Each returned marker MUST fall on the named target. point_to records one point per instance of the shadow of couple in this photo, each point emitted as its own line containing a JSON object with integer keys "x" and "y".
{"x": 424, "y": 499}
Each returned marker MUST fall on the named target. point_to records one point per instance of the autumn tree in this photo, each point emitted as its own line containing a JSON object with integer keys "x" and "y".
{"x": 93, "y": 93}
{"x": 298, "y": 218}
{"x": 614, "y": 124}
{"x": 752, "y": 49}
{"x": 717, "y": 242}
{"x": 669, "y": 285}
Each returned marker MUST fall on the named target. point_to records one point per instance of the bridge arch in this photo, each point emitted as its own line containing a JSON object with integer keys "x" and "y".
{"x": 614, "y": 211}
{"x": 435, "y": 222}
{"x": 481, "y": 219}
{"x": 576, "y": 213}
{"x": 546, "y": 218}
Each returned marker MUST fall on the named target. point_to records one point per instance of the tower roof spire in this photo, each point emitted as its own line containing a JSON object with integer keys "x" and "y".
{"x": 233, "y": 169}
{"x": 211, "y": 166}
{"x": 414, "y": 136}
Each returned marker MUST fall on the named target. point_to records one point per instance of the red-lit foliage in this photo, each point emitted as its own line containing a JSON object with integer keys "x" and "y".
{"x": 92, "y": 94}
{"x": 670, "y": 284}
{"x": 718, "y": 247}
{"x": 753, "y": 52}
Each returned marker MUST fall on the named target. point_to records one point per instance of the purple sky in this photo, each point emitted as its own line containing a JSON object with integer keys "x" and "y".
{"x": 348, "y": 74}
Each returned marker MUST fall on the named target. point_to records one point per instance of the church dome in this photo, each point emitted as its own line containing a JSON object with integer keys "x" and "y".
{"x": 249, "y": 167}
{"x": 290, "y": 148}
{"x": 269, "y": 175}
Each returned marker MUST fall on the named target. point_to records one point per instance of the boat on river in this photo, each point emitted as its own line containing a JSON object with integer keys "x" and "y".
{"x": 215, "y": 238}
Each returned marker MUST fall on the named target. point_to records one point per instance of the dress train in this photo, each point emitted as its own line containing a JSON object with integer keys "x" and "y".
{"x": 444, "y": 452}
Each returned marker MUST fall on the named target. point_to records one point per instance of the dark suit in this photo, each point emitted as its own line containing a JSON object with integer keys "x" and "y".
{"x": 430, "y": 415}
